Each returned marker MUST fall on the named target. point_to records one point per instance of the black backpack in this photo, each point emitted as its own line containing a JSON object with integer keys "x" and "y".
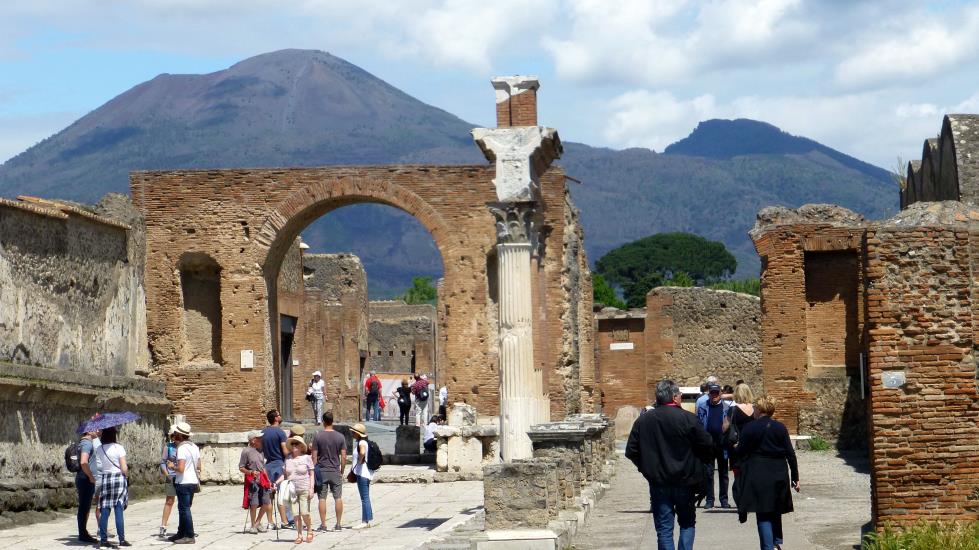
{"x": 374, "y": 457}
{"x": 423, "y": 395}
{"x": 73, "y": 457}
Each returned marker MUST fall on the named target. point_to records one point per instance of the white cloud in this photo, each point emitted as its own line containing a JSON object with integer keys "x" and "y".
{"x": 18, "y": 132}
{"x": 654, "y": 119}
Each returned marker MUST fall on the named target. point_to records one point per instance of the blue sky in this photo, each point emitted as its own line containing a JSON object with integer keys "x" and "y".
{"x": 871, "y": 79}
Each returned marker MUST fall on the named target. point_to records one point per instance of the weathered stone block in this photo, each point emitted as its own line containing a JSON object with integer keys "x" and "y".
{"x": 461, "y": 414}
{"x": 408, "y": 440}
{"x": 516, "y": 495}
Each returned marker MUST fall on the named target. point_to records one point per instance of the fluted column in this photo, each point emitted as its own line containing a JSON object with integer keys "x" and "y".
{"x": 520, "y": 384}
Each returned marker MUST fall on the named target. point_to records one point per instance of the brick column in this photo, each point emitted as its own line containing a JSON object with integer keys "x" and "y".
{"x": 516, "y": 100}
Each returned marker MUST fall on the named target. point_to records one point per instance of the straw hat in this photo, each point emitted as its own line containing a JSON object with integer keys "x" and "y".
{"x": 359, "y": 429}
{"x": 298, "y": 429}
{"x": 296, "y": 440}
{"x": 181, "y": 428}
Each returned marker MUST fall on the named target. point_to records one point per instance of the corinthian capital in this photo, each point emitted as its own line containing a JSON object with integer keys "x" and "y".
{"x": 516, "y": 222}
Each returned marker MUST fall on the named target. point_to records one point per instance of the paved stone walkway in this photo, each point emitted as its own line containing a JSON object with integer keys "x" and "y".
{"x": 831, "y": 511}
{"x": 407, "y": 515}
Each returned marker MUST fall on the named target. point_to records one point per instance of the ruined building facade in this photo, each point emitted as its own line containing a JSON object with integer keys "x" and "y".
{"x": 869, "y": 330}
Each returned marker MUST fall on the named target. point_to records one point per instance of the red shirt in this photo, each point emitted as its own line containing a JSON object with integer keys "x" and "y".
{"x": 370, "y": 379}
{"x": 419, "y": 385}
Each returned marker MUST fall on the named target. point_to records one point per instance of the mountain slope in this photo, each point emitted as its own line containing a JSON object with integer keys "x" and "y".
{"x": 304, "y": 108}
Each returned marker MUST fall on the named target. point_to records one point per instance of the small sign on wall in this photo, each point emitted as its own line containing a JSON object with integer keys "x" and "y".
{"x": 893, "y": 379}
{"x": 247, "y": 359}
{"x": 616, "y": 346}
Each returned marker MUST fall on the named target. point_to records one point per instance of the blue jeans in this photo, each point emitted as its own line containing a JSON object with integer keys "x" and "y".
{"x": 364, "y": 488}
{"x": 104, "y": 523}
{"x": 373, "y": 411}
{"x": 670, "y": 502}
{"x": 86, "y": 490}
{"x": 185, "y": 498}
{"x": 769, "y": 530}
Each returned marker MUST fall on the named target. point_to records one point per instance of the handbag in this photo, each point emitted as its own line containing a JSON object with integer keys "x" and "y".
{"x": 729, "y": 430}
{"x": 351, "y": 477}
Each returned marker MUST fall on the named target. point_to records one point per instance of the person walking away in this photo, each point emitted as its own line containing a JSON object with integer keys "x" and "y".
{"x": 187, "y": 483}
{"x": 428, "y": 442}
{"x": 317, "y": 389}
{"x": 330, "y": 456}
{"x": 420, "y": 390}
{"x": 403, "y": 396}
{"x": 274, "y": 450}
{"x": 711, "y": 415}
{"x": 668, "y": 446}
{"x": 259, "y": 500}
{"x": 114, "y": 497}
{"x": 739, "y": 416}
{"x": 768, "y": 470}
{"x": 372, "y": 397}
{"x": 299, "y": 472}
{"x": 85, "y": 485}
{"x": 443, "y": 401}
{"x": 169, "y": 454}
{"x": 362, "y": 475}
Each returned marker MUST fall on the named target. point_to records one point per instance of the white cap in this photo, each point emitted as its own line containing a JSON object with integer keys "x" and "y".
{"x": 317, "y": 373}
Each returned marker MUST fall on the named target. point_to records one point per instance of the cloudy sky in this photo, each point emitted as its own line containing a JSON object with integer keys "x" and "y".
{"x": 869, "y": 78}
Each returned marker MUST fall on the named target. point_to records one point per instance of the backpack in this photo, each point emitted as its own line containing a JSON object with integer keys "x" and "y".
{"x": 73, "y": 457}
{"x": 423, "y": 395}
{"x": 375, "y": 386}
{"x": 374, "y": 457}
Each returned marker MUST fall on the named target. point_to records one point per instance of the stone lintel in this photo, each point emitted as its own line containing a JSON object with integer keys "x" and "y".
{"x": 521, "y": 154}
{"x": 561, "y": 431}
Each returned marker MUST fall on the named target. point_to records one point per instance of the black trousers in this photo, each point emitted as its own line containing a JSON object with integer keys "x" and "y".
{"x": 403, "y": 413}
{"x": 721, "y": 463}
{"x": 86, "y": 490}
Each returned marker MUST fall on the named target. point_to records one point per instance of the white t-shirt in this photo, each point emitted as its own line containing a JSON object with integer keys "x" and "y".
{"x": 192, "y": 455}
{"x": 430, "y": 431}
{"x": 319, "y": 389}
{"x": 93, "y": 462}
{"x": 109, "y": 458}
{"x": 443, "y": 395}
{"x": 361, "y": 469}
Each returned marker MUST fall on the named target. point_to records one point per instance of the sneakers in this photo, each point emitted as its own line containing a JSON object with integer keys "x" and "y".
{"x": 362, "y": 525}
{"x": 253, "y": 531}
{"x": 163, "y": 532}
{"x": 261, "y": 528}
{"x": 125, "y": 543}
{"x": 708, "y": 505}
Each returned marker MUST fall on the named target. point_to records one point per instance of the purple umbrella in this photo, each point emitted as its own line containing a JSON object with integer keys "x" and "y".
{"x": 102, "y": 421}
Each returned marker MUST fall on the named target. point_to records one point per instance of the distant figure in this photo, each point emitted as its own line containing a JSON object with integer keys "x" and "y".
{"x": 259, "y": 488}
{"x": 402, "y": 394}
{"x": 362, "y": 475}
{"x": 443, "y": 400}
{"x": 114, "y": 495}
{"x": 275, "y": 451}
{"x": 317, "y": 391}
{"x": 372, "y": 397}
{"x": 668, "y": 446}
{"x": 428, "y": 442}
{"x": 85, "y": 480}
{"x": 299, "y": 472}
{"x": 188, "y": 468}
{"x": 168, "y": 454}
{"x": 330, "y": 457}
{"x": 420, "y": 390}
{"x": 711, "y": 414}
{"x": 703, "y": 390}
{"x": 764, "y": 485}
{"x": 739, "y": 416}
{"x": 727, "y": 394}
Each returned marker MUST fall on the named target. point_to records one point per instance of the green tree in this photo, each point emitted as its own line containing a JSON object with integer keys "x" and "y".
{"x": 604, "y": 294}
{"x": 636, "y": 291}
{"x": 421, "y": 291}
{"x": 702, "y": 260}
{"x": 680, "y": 279}
{"x": 744, "y": 286}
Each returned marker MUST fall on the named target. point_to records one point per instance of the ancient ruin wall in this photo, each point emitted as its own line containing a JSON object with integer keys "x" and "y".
{"x": 921, "y": 317}
{"x": 697, "y": 332}
{"x": 620, "y": 343}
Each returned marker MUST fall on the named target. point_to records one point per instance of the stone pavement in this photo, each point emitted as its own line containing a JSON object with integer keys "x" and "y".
{"x": 407, "y": 516}
{"x": 830, "y": 512}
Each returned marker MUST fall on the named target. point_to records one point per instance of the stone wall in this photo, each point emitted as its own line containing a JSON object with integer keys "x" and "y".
{"x": 402, "y": 338}
{"x": 620, "y": 343}
{"x": 949, "y": 166}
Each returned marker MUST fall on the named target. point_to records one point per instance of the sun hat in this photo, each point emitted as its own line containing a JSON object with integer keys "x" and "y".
{"x": 296, "y": 440}
{"x": 253, "y": 434}
{"x": 359, "y": 429}
{"x": 182, "y": 428}
{"x": 317, "y": 373}
{"x": 298, "y": 429}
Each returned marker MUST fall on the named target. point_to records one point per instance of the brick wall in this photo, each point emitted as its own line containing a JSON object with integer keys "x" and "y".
{"x": 621, "y": 349}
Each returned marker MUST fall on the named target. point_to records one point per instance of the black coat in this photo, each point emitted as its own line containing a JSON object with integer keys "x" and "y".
{"x": 669, "y": 446}
{"x": 766, "y": 456}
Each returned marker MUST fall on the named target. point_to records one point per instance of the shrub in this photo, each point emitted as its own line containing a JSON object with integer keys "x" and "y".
{"x": 925, "y": 536}
{"x": 817, "y": 443}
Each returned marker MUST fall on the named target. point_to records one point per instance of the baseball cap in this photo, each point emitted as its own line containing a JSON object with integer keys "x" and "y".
{"x": 713, "y": 388}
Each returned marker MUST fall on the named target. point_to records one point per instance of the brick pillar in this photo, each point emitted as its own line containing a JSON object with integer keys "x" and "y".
{"x": 516, "y": 100}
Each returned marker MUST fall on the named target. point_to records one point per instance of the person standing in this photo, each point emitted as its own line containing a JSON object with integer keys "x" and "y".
{"x": 317, "y": 389}
{"x": 114, "y": 495}
{"x": 668, "y": 446}
{"x": 739, "y": 416}
{"x": 299, "y": 472}
{"x": 372, "y": 397}
{"x": 712, "y": 414}
{"x": 443, "y": 401}
{"x": 169, "y": 454}
{"x": 85, "y": 485}
{"x": 403, "y": 396}
{"x": 362, "y": 475}
{"x": 275, "y": 451}
{"x": 420, "y": 390}
{"x": 252, "y": 465}
{"x": 187, "y": 482}
{"x": 768, "y": 470}
{"x": 330, "y": 456}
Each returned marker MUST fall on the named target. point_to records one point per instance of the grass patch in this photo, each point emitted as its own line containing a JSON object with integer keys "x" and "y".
{"x": 925, "y": 536}
{"x": 817, "y": 443}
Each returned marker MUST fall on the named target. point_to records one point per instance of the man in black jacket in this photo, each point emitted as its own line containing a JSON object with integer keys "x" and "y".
{"x": 669, "y": 447}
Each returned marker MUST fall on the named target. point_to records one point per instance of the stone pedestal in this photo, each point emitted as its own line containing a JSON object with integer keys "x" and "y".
{"x": 408, "y": 440}
{"x": 466, "y": 449}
